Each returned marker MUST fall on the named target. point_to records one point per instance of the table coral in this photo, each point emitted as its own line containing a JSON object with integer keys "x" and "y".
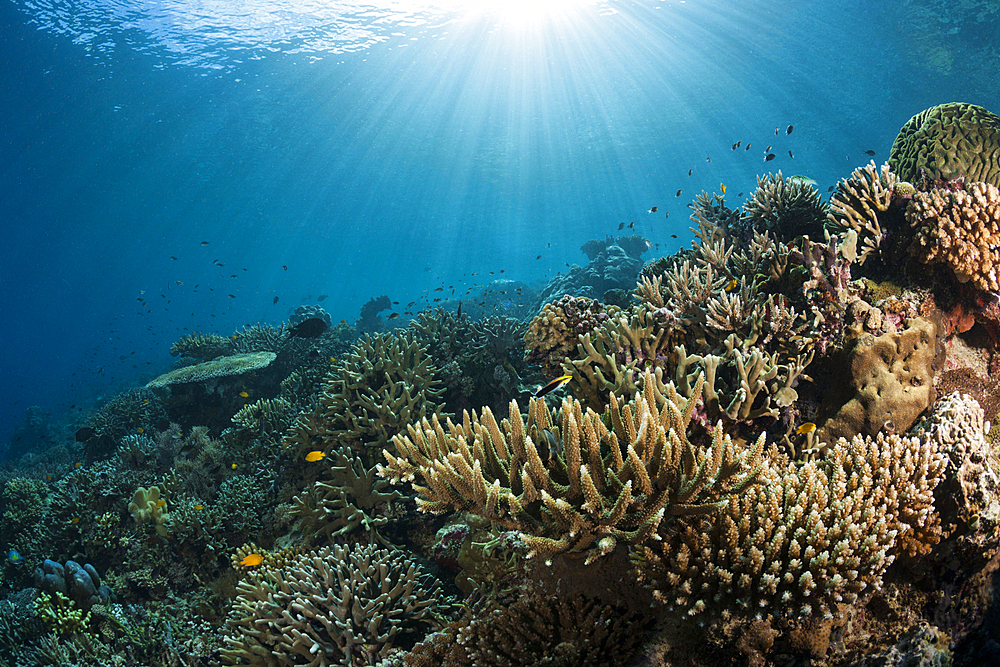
{"x": 211, "y": 371}
{"x": 959, "y": 227}
{"x": 809, "y": 537}
{"x": 336, "y": 606}
{"x": 948, "y": 141}
{"x": 566, "y": 480}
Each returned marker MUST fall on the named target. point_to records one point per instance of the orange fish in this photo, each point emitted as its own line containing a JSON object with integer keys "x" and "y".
{"x": 252, "y": 560}
{"x": 315, "y": 456}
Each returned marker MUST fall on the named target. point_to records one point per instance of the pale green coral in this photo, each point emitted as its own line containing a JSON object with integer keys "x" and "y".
{"x": 222, "y": 367}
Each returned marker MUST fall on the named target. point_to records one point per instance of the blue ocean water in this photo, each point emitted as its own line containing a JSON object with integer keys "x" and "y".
{"x": 168, "y": 167}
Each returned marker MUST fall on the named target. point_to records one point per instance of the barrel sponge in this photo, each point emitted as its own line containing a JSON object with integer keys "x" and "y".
{"x": 960, "y": 228}
{"x": 949, "y": 141}
{"x": 890, "y": 379}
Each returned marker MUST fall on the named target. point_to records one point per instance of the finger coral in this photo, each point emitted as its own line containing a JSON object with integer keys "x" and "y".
{"x": 568, "y": 482}
{"x": 336, "y": 606}
{"x": 809, "y": 537}
{"x": 961, "y": 229}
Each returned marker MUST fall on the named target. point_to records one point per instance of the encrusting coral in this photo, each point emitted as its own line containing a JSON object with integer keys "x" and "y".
{"x": 959, "y": 227}
{"x": 808, "y": 538}
{"x": 336, "y": 606}
{"x": 949, "y": 141}
{"x": 565, "y": 480}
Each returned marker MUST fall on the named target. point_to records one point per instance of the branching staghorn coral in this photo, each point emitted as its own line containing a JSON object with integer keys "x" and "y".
{"x": 808, "y": 538}
{"x": 858, "y": 203}
{"x": 267, "y": 416}
{"x": 597, "y": 486}
{"x": 336, "y": 606}
{"x": 202, "y": 346}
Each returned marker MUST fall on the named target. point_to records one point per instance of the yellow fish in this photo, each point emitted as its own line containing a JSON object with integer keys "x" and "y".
{"x": 244, "y": 394}
{"x": 198, "y": 507}
{"x": 78, "y": 464}
{"x": 723, "y": 186}
{"x": 75, "y": 520}
{"x": 315, "y": 456}
{"x": 233, "y": 466}
{"x": 552, "y": 386}
{"x": 808, "y": 427}
{"x": 161, "y": 503}
{"x": 140, "y": 430}
{"x": 252, "y": 560}
{"x": 732, "y": 284}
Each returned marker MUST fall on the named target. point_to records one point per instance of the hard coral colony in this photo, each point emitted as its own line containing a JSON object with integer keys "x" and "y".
{"x": 771, "y": 448}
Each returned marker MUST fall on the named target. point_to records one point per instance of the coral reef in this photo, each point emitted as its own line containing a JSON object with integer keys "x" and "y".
{"x": 384, "y": 383}
{"x": 805, "y": 540}
{"x": 889, "y": 380}
{"x": 553, "y": 334}
{"x": 961, "y": 229}
{"x": 949, "y": 141}
{"x": 787, "y": 207}
{"x": 336, "y": 606}
{"x": 596, "y": 486}
{"x": 538, "y": 630}
{"x": 212, "y": 372}
{"x": 202, "y": 346}
{"x": 80, "y": 584}
{"x": 860, "y": 209}
{"x": 369, "y": 321}
{"x": 611, "y": 269}
{"x": 148, "y": 507}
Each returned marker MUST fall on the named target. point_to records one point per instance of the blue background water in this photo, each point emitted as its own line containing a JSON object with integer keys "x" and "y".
{"x": 392, "y": 148}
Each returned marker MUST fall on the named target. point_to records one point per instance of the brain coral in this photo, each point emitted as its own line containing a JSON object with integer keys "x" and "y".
{"x": 960, "y": 228}
{"x": 949, "y": 141}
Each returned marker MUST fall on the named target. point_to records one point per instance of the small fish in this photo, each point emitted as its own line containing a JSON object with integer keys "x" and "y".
{"x": 767, "y": 150}
{"x": 732, "y": 284}
{"x": 140, "y": 430}
{"x": 737, "y": 144}
{"x": 48, "y": 477}
{"x": 869, "y": 152}
{"x": 789, "y": 130}
{"x": 314, "y": 456}
{"x": 770, "y": 156}
{"x": 204, "y": 242}
{"x": 621, "y": 226}
{"x": 776, "y": 131}
{"x": 13, "y": 557}
{"x": 275, "y": 302}
{"x": 667, "y": 215}
{"x": 552, "y": 386}
{"x": 78, "y": 464}
{"x": 199, "y": 507}
{"x": 678, "y": 193}
{"x": 790, "y": 154}
{"x": 690, "y": 171}
{"x": 747, "y": 148}
{"x": 723, "y": 186}
{"x": 284, "y": 267}
{"x": 392, "y": 316}
{"x": 75, "y": 520}
{"x": 803, "y": 180}
{"x": 84, "y": 434}
{"x": 653, "y": 210}
{"x": 244, "y": 394}
{"x": 830, "y": 189}
{"x": 252, "y": 560}
{"x": 233, "y": 466}
{"x": 321, "y": 297}
{"x": 673, "y": 236}
{"x": 631, "y": 224}
{"x": 539, "y": 257}
{"x": 808, "y": 427}
{"x": 232, "y": 296}
{"x": 740, "y": 194}
{"x": 161, "y": 503}
{"x": 173, "y": 258}
{"x": 708, "y": 159}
